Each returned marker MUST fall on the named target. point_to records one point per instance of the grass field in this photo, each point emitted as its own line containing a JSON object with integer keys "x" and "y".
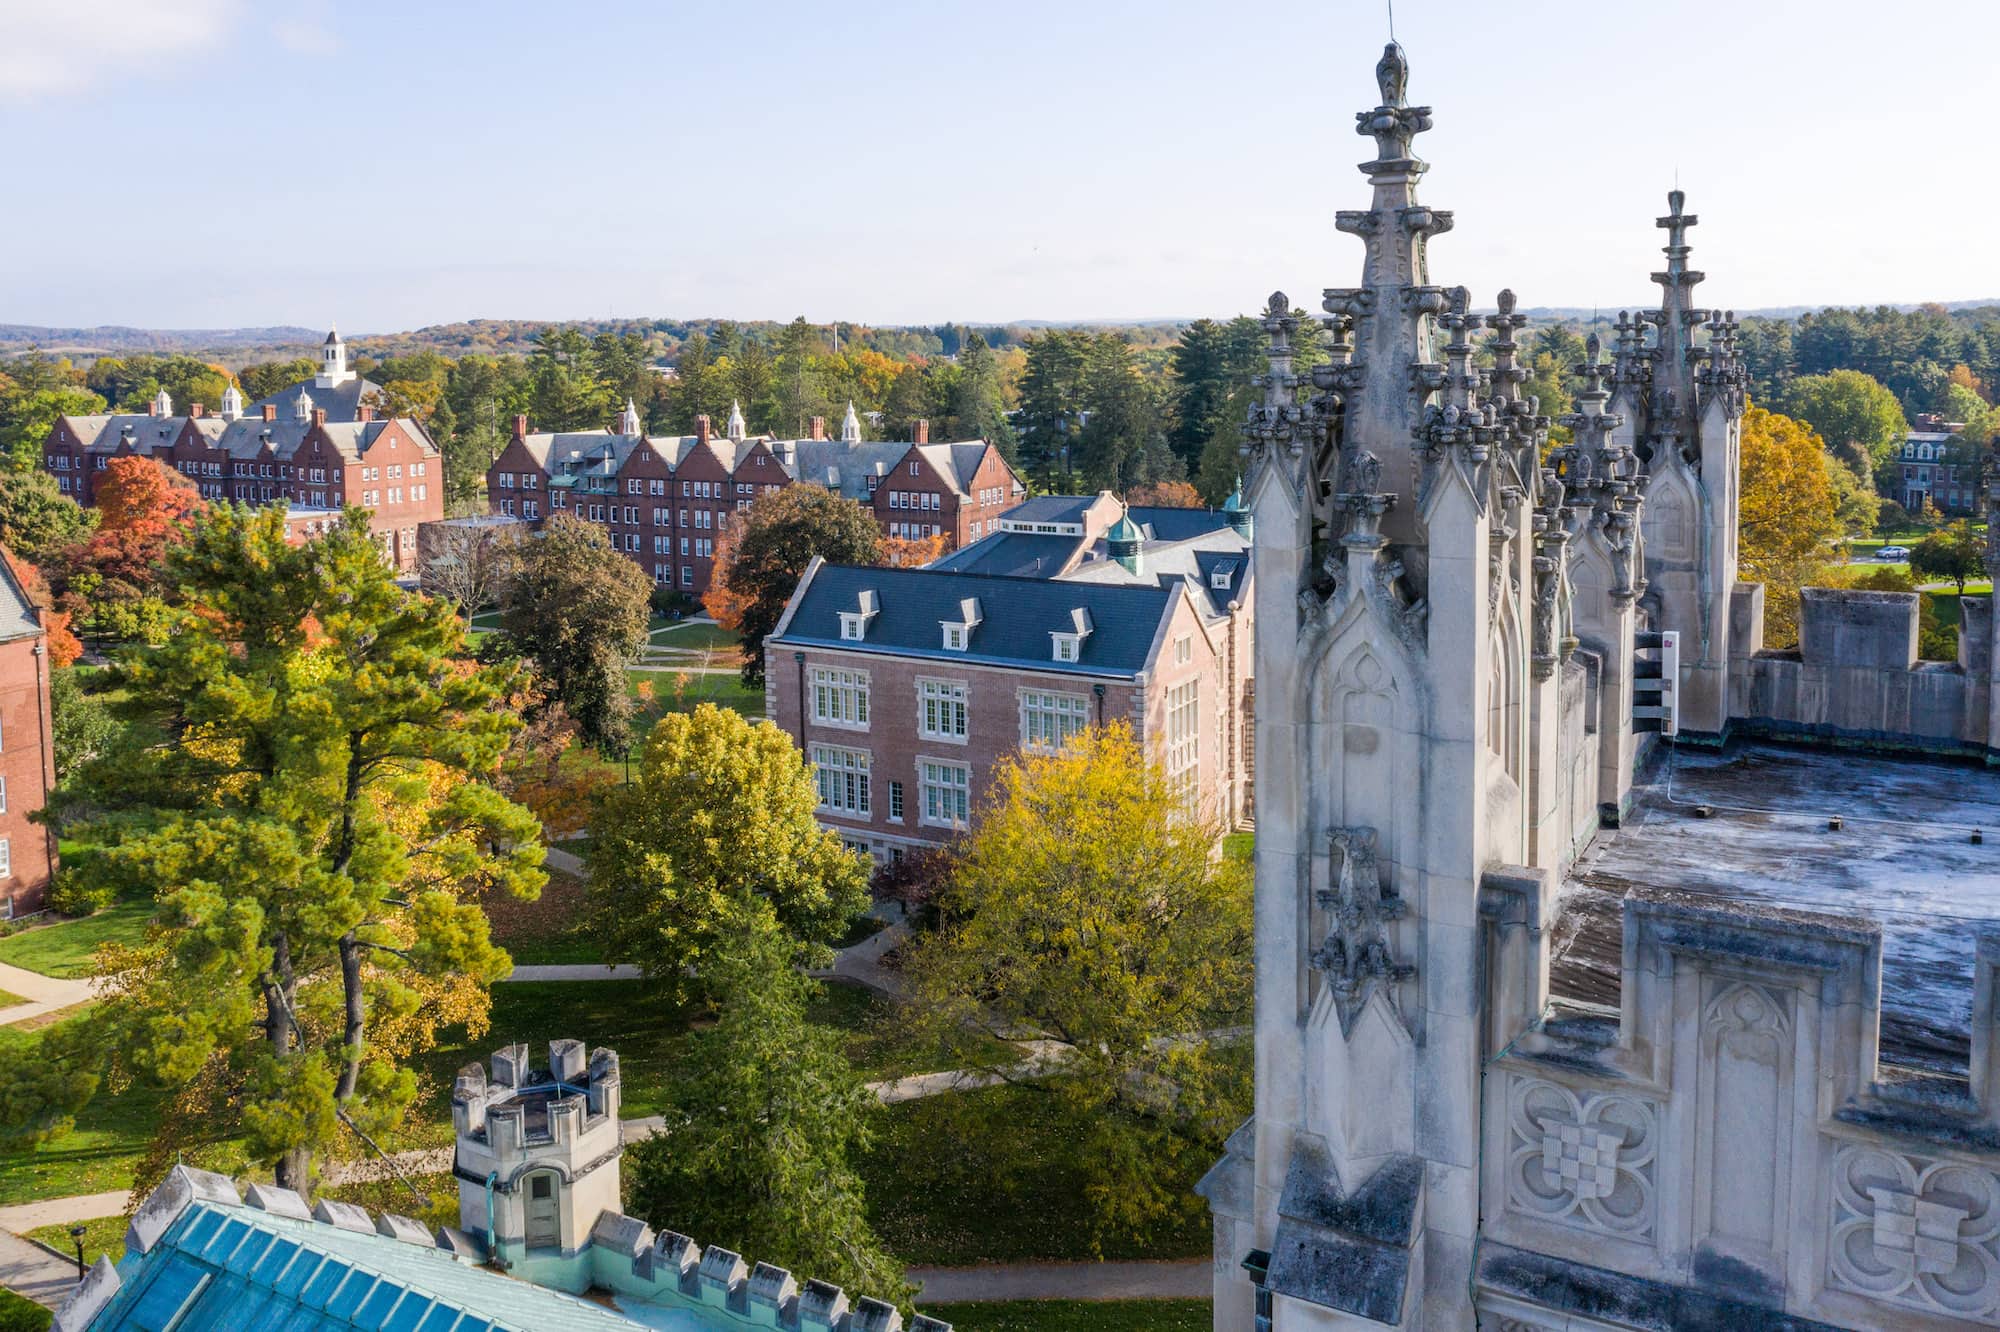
{"x": 1007, "y": 1198}
{"x": 547, "y": 931}
{"x": 1077, "y": 1316}
{"x": 696, "y": 636}
{"x": 104, "y": 1235}
{"x": 1239, "y": 845}
{"x": 8, "y": 999}
{"x": 725, "y": 690}
{"x": 20, "y": 1314}
{"x": 68, "y": 949}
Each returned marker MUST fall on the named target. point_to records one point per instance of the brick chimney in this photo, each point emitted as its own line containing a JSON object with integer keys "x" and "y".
{"x": 521, "y": 426}
{"x": 195, "y": 410}
{"x": 270, "y": 411}
{"x": 365, "y": 412}
{"x": 702, "y": 427}
{"x": 921, "y": 433}
{"x": 319, "y": 417}
{"x": 819, "y": 427}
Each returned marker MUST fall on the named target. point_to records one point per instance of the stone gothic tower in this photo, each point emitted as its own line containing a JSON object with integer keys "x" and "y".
{"x": 1420, "y": 627}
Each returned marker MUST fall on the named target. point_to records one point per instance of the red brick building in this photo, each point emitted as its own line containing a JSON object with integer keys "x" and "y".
{"x": 664, "y": 498}
{"x": 904, "y": 687}
{"x": 27, "y": 756}
{"x": 389, "y": 467}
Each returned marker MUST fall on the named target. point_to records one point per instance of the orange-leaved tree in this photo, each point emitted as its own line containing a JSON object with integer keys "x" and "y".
{"x": 111, "y": 580}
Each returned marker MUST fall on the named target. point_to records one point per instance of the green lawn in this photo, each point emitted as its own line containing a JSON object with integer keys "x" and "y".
{"x": 724, "y": 689}
{"x": 20, "y": 1314}
{"x": 102, "y": 1150}
{"x": 8, "y": 999}
{"x": 68, "y": 949}
{"x": 1239, "y": 846}
{"x": 1077, "y": 1316}
{"x": 937, "y": 1200}
{"x": 104, "y": 1235}
{"x": 695, "y": 636}
{"x": 551, "y": 929}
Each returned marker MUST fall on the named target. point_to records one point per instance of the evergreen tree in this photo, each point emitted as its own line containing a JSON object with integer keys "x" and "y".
{"x": 977, "y": 410}
{"x": 315, "y": 829}
{"x": 762, "y": 1129}
{"x": 579, "y": 609}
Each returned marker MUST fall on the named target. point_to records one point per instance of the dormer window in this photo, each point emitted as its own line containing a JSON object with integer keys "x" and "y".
{"x": 1220, "y": 578}
{"x": 958, "y": 633}
{"x": 1069, "y": 642}
{"x": 854, "y": 623}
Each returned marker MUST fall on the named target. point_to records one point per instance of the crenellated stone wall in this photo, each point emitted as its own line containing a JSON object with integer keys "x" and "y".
{"x": 1855, "y": 677}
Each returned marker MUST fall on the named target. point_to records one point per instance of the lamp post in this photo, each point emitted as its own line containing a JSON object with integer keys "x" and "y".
{"x": 76, "y": 1232}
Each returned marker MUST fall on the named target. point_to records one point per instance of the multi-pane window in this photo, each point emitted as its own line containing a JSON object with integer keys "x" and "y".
{"x": 896, "y": 801}
{"x": 941, "y": 709}
{"x": 842, "y": 775}
{"x": 840, "y": 698}
{"x": 1048, "y": 720}
{"x": 1184, "y": 738}
{"x": 947, "y": 793}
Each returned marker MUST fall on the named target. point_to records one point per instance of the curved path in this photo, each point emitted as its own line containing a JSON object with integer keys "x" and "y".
{"x": 45, "y": 994}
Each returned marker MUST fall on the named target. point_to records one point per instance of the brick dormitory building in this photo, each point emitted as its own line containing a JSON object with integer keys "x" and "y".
{"x": 664, "y": 498}
{"x": 27, "y": 754}
{"x": 904, "y": 687}
{"x": 318, "y": 445}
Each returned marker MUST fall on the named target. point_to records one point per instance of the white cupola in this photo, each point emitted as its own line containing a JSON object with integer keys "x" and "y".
{"x": 232, "y": 403}
{"x": 850, "y": 426}
{"x": 736, "y": 429}
{"x": 333, "y": 369}
{"x": 302, "y": 406}
{"x": 163, "y": 404}
{"x": 628, "y": 420}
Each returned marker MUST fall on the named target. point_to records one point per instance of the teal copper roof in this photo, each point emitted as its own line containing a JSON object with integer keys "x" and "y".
{"x": 221, "y": 1267}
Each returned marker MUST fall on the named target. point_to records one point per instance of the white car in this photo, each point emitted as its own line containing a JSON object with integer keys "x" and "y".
{"x": 1893, "y": 554}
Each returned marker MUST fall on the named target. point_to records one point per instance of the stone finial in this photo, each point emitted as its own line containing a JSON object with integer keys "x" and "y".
{"x": 1392, "y": 75}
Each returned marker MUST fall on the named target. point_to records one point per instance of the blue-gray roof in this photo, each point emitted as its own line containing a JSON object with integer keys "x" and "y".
{"x": 1018, "y": 615}
{"x": 1164, "y": 524}
{"x": 1050, "y": 509}
{"x": 1016, "y": 554}
{"x": 342, "y": 402}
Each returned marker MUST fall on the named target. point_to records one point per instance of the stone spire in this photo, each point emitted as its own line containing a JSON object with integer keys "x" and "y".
{"x": 850, "y": 425}
{"x": 628, "y": 420}
{"x": 736, "y": 429}
{"x": 1674, "y": 352}
{"x": 1391, "y": 371}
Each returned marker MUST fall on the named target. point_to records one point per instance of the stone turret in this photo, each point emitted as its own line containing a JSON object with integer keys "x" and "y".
{"x": 540, "y": 1146}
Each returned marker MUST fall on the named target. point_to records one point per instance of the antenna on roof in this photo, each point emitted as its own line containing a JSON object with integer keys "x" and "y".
{"x": 1392, "y": 20}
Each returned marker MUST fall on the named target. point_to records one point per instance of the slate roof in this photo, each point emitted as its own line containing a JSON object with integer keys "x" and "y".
{"x": 844, "y": 468}
{"x": 17, "y": 613}
{"x": 342, "y": 402}
{"x": 1017, "y": 554}
{"x": 1018, "y": 615}
{"x": 955, "y": 462}
{"x": 101, "y": 432}
{"x": 1050, "y": 509}
{"x": 1165, "y": 524}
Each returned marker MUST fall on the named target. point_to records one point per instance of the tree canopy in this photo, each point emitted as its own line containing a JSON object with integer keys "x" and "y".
{"x": 1787, "y": 514}
{"x": 579, "y": 609}
{"x": 1088, "y": 908}
{"x": 765, "y": 551}
{"x": 715, "y": 830}
{"x": 314, "y": 833}
{"x": 1955, "y": 553}
{"x": 762, "y": 1128}
{"x": 1851, "y": 412}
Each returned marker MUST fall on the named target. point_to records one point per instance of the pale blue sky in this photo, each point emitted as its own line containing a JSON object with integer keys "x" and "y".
{"x": 201, "y": 163}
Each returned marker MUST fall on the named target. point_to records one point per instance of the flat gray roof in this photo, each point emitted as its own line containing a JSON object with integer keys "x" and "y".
{"x": 1904, "y": 858}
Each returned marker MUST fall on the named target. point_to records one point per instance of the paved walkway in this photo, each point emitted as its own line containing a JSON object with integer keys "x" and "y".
{"x": 30, "y": 1270}
{"x": 576, "y": 971}
{"x": 45, "y": 994}
{"x": 1194, "y": 1279}
{"x": 24, "y": 1217}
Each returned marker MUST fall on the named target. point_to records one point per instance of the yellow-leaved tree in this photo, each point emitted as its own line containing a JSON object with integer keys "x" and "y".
{"x": 1788, "y": 514}
{"x": 1090, "y": 914}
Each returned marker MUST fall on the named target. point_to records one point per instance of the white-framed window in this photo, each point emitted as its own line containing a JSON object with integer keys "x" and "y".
{"x": 895, "y": 802}
{"x": 842, "y": 775}
{"x": 946, "y": 793}
{"x": 1184, "y": 738}
{"x": 6, "y": 859}
{"x": 1049, "y": 719}
{"x": 941, "y": 710}
{"x": 3, "y": 795}
{"x": 1183, "y": 649}
{"x": 839, "y": 697}
{"x": 853, "y": 625}
{"x": 1067, "y": 646}
{"x": 954, "y": 638}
